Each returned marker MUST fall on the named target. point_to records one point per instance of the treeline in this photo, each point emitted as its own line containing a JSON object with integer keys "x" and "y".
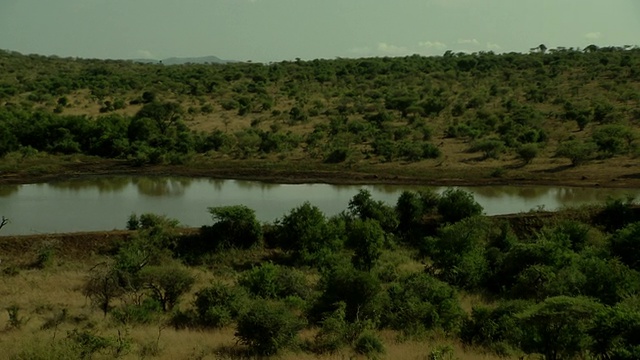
{"x": 567, "y": 290}
{"x": 388, "y": 109}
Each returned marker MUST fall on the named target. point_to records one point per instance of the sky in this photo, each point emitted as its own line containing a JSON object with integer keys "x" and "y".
{"x": 276, "y": 30}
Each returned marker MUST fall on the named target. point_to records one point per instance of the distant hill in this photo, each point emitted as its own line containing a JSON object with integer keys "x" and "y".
{"x": 185, "y": 60}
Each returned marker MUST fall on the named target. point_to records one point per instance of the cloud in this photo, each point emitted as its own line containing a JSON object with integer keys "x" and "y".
{"x": 391, "y": 49}
{"x": 468, "y": 41}
{"x": 145, "y": 54}
{"x": 432, "y": 44}
{"x": 493, "y": 46}
{"x": 593, "y": 35}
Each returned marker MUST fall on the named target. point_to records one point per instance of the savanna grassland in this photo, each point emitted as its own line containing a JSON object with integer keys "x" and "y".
{"x": 429, "y": 277}
{"x": 552, "y": 116}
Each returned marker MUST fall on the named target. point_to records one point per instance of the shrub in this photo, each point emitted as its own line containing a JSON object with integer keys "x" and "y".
{"x": 420, "y": 302}
{"x": 430, "y": 151}
{"x": 306, "y": 233}
{"x": 167, "y": 284}
{"x": 613, "y": 139}
{"x": 268, "y": 328}
{"x": 527, "y": 152}
{"x": 625, "y": 245}
{"x": 337, "y": 155}
{"x": 46, "y": 255}
{"x": 369, "y": 344}
{"x": 559, "y": 327}
{"x": 274, "y": 281}
{"x": 336, "y": 332}
{"x": 617, "y": 213}
{"x": 497, "y": 328}
{"x": 455, "y": 205}
{"x": 234, "y": 227}
{"x": 490, "y": 148}
{"x": 366, "y": 237}
{"x": 578, "y": 152}
{"x": 218, "y": 304}
{"x": 360, "y": 291}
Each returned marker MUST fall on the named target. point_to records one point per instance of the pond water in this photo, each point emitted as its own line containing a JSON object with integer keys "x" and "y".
{"x": 105, "y": 203}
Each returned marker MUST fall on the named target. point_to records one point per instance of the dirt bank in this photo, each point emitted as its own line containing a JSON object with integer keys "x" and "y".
{"x": 593, "y": 175}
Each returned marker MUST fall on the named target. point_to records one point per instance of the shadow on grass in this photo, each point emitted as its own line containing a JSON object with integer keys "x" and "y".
{"x": 556, "y": 169}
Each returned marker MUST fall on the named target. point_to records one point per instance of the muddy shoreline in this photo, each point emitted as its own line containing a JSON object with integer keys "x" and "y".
{"x": 279, "y": 174}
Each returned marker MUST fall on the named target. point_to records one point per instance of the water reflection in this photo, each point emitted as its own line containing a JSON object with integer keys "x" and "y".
{"x": 8, "y": 190}
{"x": 104, "y": 203}
{"x": 159, "y": 186}
{"x": 101, "y": 184}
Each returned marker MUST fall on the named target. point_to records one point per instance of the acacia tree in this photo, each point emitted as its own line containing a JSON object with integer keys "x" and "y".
{"x": 235, "y": 226}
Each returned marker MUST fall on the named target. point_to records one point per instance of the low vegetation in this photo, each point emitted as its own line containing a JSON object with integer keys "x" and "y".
{"x": 531, "y": 115}
{"x": 430, "y": 277}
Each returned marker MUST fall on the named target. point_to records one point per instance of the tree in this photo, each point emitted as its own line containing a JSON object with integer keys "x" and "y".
{"x": 490, "y": 148}
{"x": 102, "y": 287}
{"x": 613, "y": 139}
{"x": 164, "y": 114}
{"x": 217, "y": 305}
{"x": 420, "y": 302}
{"x": 527, "y": 152}
{"x": 456, "y": 204}
{"x": 559, "y": 327}
{"x": 306, "y": 233}
{"x": 578, "y": 152}
{"x": 359, "y": 290}
{"x": 458, "y": 252}
{"x": 3, "y": 222}
{"x": 625, "y": 245}
{"x": 366, "y": 237}
{"x": 364, "y": 207}
{"x": 268, "y": 328}
{"x": 167, "y": 283}
{"x": 234, "y": 226}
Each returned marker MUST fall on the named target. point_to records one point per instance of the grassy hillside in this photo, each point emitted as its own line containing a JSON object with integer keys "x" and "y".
{"x": 546, "y": 116}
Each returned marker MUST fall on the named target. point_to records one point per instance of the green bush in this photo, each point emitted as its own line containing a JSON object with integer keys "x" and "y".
{"x": 625, "y": 245}
{"x": 490, "y": 148}
{"x": 495, "y": 328}
{"x": 46, "y": 255}
{"x": 217, "y": 305}
{"x": 455, "y": 205}
{"x": 275, "y": 282}
{"x": 306, "y": 234}
{"x": 360, "y": 291}
{"x": 336, "y": 156}
{"x": 527, "y": 152}
{"x": 167, "y": 283}
{"x": 369, "y": 344}
{"x": 366, "y": 237}
{"x": 578, "y": 152}
{"x": 234, "y": 227}
{"x": 267, "y": 328}
{"x": 419, "y": 303}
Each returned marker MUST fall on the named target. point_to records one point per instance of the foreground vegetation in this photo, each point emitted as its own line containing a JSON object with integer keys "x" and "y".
{"x": 542, "y": 115}
{"x": 430, "y": 277}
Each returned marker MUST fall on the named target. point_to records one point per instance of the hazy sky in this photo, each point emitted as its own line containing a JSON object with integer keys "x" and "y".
{"x": 274, "y": 30}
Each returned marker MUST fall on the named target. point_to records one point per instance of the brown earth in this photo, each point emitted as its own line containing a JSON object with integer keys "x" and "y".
{"x": 618, "y": 173}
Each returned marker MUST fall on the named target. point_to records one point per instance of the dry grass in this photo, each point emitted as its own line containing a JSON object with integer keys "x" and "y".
{"x": 42, "y": 295}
